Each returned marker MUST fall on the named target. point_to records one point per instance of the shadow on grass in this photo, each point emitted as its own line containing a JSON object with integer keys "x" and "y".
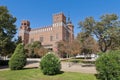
{"x": 30, "y": 68}
{"x": 61, "y": 72}
{"x": 97, "y": 76}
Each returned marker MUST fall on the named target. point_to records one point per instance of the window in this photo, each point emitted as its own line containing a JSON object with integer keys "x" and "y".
{"x": 41, "y": 39}
{"x": 56, "y": 36}
{"x": 24, "y": 23}
{"x": 51, "y": 38}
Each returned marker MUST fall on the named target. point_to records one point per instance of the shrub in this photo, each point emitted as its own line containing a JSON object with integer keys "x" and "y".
{"x": 18, "y": 59}
{"x": 108, "y": 66}
{"x": 50, "y": 64}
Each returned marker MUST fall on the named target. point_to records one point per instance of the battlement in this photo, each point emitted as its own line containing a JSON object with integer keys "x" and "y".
{"x": 59, "y": 17}
{"x": 41, "y": 28}
{"x": 60, "y": 13}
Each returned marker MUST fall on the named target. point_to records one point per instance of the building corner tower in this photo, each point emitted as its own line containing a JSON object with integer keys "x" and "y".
{"x": 24, "y": 31}
{"x": 71, "y": 30}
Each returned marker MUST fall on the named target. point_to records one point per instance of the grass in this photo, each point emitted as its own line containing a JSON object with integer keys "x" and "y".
{"x": 36, "y": 74}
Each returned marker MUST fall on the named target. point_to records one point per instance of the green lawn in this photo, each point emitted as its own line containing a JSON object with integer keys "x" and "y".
{"x": 36, "y": 74}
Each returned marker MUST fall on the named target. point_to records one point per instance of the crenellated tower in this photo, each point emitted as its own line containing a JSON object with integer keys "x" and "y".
{"x": 59, "y": 25}
{"x": 64, "y": 28}
{"x": 24, "y": 31}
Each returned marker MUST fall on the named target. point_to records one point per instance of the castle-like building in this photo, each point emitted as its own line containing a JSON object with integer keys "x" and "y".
{"x": 60, "y": 30}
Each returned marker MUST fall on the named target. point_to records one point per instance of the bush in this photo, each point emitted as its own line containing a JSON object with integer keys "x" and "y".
{"x": 50, "y": 64}
{"x": 108, "y": 66}
{"x": 18, "y": 59}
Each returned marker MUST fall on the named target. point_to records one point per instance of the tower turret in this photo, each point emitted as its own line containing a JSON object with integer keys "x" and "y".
{"x": 71, "y": 30}
{"x": 24, "y": 31}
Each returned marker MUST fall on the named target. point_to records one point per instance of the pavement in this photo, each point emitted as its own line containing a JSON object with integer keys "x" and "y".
{"x": 65, "y": 66}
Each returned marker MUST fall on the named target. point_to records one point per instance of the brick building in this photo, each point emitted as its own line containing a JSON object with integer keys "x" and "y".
{"x": 48, "y": 35}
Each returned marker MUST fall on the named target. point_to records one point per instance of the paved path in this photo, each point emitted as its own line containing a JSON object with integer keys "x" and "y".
{"x": 69, "y": 67}
{"x": 78, "y": 68}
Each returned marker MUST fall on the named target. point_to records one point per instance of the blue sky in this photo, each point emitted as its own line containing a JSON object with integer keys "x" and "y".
{"x": 39, "y": 12}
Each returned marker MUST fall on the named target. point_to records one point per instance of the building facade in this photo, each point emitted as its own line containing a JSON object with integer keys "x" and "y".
{"x": 60, "y": 30}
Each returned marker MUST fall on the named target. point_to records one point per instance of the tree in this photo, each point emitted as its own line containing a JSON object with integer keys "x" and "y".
{"x": 9, "y": 49}
{"x": 115, "y": 45}
{"x": 18, "y": 40}
{"x": 7, "y": 29}
{"x": 35, "y": 49}
{"x": 61, "y": 45}
{"x": 68, "y": 48}
{"x": 75, "y": 47}
{"x": 104, "y": 30}
{"x": 18, "y": 59}
{"x": 42, "y": 51}
{"x": 88, "y": 43}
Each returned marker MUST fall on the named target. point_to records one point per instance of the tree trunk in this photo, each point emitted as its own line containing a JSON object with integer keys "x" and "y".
{"x": 103, "y": 45}
{"x": 103, "y": 49}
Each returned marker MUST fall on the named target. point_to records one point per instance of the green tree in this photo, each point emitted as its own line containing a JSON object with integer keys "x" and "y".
{"x": 18, "y": 59}
{"x": 9, "y": 49}
{"x": 18, "y": 40}
{"x": 7, "y": 29}
{"x": 105, "y": 30}
{"x": 35, "y": 49}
